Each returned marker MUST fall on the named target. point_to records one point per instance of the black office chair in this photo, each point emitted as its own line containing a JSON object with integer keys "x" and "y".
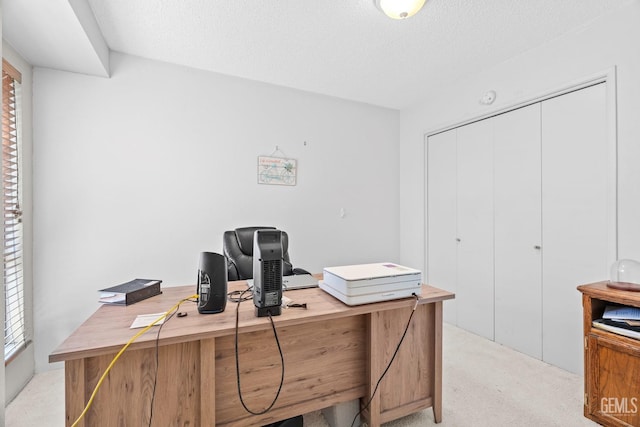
{"x": 237, "y": 246}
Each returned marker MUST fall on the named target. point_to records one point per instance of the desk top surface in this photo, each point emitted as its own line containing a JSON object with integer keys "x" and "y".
{"x": 108, "y": 329}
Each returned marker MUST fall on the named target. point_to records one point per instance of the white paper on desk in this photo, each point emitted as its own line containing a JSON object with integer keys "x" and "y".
{"x": 144, "y": 320}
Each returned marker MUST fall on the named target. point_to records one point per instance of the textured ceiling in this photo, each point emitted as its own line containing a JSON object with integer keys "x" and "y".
{"x": 342, "y": 48}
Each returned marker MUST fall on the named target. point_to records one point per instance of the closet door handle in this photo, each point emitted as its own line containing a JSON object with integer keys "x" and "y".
{"x": 537, "y": 247}
{"x": 458, "y": 239}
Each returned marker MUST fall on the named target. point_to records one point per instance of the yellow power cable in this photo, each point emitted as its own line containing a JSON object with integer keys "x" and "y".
{"x": 135, "y": 337}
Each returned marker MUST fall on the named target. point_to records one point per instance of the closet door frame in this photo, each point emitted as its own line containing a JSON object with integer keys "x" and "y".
{"x": 608, "y": 77}
{"x": 444, "y": 199}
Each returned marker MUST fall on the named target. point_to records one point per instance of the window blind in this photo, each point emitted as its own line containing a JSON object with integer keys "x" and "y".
{"x": 14, "y": 324}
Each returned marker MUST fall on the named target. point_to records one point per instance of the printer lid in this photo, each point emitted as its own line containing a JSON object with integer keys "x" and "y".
{"x": 371, "y": 271}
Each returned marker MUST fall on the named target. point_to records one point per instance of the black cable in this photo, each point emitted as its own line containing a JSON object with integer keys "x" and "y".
{"x": 155, "y": 379}
{"x": 237, "y": 296}
{"x": 239, "y": 299}
{"x": 406, "y": 329}
{"x": 303, "y": 305}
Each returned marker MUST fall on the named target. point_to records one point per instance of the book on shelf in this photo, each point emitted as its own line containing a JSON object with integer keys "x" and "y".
{"x": 619, "y": 327}
{"x": 130, "y": 292}
{"x": 621, "y": 312}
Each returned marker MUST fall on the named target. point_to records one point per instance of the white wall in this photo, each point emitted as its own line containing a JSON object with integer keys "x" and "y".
{"x": 611, "y": 41}
{"x": 135, "y": 175}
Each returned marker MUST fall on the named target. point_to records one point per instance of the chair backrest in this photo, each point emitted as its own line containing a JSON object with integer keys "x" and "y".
{"x": 237, "y": 246}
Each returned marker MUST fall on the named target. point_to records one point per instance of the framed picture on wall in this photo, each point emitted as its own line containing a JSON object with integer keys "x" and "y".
{"x": 277, "y": 170}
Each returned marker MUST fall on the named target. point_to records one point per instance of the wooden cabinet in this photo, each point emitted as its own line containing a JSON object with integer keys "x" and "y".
{"x": 611, "y": 361}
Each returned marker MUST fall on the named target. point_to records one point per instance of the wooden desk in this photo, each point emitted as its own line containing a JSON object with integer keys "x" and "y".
{"x": 333, "y": 353}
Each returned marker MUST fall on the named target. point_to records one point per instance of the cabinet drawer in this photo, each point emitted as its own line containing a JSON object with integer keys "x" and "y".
{"x": 613, "y": 370}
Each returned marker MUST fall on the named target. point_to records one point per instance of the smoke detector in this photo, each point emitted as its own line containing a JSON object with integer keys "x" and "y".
{"x": 488, "y": 98}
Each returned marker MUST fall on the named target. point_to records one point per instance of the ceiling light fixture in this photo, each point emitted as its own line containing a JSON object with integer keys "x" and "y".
{"x": 399, "y": 9}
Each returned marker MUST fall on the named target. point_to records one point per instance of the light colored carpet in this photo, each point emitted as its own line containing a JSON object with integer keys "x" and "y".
{"x": 484, "y": 384}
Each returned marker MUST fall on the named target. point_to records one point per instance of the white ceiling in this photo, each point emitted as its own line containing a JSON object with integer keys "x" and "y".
{"x": 342, "y": 48}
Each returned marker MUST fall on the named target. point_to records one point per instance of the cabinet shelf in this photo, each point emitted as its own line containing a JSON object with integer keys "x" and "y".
{"x": 615, "y": 336}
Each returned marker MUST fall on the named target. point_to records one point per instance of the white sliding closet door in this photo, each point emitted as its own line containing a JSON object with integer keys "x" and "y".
{"x": 441, "y": 220}
{"x": 575, "y": 243}
{"x": 517, "y": 188}
{"x": 521, "y": 210}
{"x": 475, "y": 228}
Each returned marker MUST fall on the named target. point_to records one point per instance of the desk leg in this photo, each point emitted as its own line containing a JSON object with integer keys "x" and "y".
{"x": 208, "y": 382}
{"x": 75, "y": 390}
{"x": 437, "y": 363}
{"x": 375, "y": 363}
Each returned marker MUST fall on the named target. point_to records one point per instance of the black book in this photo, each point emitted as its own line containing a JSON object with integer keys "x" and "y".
{"x": 130, "y": 292}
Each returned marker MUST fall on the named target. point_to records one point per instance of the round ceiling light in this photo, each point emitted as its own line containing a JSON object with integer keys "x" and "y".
{"x": 399, "y": 9}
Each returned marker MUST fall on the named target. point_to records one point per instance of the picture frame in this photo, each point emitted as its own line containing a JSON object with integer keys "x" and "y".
{"x": 277, "y": 170}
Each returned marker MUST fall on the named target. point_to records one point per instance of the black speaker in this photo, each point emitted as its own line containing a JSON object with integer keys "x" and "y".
{"x": 212, "y": 283}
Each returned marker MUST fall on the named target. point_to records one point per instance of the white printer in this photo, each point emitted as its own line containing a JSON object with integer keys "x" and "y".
{"x": 367, "y": 283}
